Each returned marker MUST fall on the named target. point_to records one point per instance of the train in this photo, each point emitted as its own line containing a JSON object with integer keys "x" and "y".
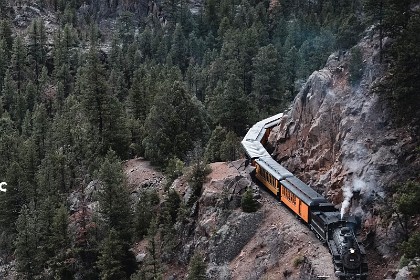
{"x": 337, "y": 232}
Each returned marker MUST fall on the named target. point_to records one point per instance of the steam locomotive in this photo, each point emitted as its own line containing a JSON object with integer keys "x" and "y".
{"x": 337, "y": 232}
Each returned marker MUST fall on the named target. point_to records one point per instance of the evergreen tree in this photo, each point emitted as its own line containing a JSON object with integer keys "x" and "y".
{"x": 179, "y": 49}
{"x": 114, "y": 197}
{"x": 197, "y": 268}
{"x": 248, "y": 203}
{"x": 289, "y": 69}
{"x": 104, "y": 111}
{"x": 37, "y": 46}
{"x": 111, "y": 256}
{"x": 230, "y": 107}
{"x": 175, "y": 121}
{"x": 199, "y": 169}
{"x": 267, "y": 86}
{"x": 6, "y": 34}
{"x": 40, "y": 122}
{"x": 139, "y": 95}
{"x": 9, "y": 95}
{"x": 4, "y": 61}
{"x": 18, "y": 63}
{"x": 143, "y": 215}
{"x": 212, "y": 152}
{"x": 85, "y": 242}
{"x": 152, "y": 266}
{"x": 60, "y": 246}
{"x": 229, "y": 148}
{"x": 26, "y": 243}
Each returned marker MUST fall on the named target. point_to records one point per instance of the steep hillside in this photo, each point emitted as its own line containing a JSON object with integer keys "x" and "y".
{"x": 339, "y": 136}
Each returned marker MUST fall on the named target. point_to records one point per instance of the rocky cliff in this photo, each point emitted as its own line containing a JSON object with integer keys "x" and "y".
{"x": 338, "y": 135}
{"x": 268, "y": 244}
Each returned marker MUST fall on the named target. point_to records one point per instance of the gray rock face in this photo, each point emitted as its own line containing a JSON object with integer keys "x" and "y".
{"x": 231, "y": 237}
{"x": 339, "y": 138}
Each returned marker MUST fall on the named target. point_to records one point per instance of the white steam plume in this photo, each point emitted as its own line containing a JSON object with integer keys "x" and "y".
{"x": 357, "y": 185}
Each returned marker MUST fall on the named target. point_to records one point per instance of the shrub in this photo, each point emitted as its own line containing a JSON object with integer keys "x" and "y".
{"x": 248, "y": 202}
{"x": 298, "y": 261}
{"x": 411, "y": 248}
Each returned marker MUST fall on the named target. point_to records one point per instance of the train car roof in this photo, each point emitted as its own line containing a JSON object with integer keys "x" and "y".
{"x": 254, "y": 149}
{"x": 257, "y": 131}
{"x": 273, "y": 167}
{"x": 303, "y": 191}
{"x": 272, "y": 121}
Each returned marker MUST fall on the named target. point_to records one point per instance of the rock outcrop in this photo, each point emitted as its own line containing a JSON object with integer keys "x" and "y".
{"x": 338, "y": 136}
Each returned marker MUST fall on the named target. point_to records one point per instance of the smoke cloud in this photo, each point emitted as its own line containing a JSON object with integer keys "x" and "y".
{"x": 356, "y": 185}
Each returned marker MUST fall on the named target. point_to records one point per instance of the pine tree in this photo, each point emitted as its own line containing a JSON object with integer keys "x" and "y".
{"x": 248, "y": 203}
{"x": 139, "y": 95}
{"x": 179, "y": 49}
{"x": 143, "y": 215}
{"x": 4, "y": 61}
{"x": 110, "y": 259}
{"x": 152, "y": 266}
{"x": 40, "y": 122}
{"x": 114, "y": 197}
{"x": 104, "y": 111}
{"x": 289, "y": 69}
{"x": 197, "y": 268}
{"x": 85, "y": 241}
{"x": 229, "y": 107}
{"x": 37, "y": 46}
{"x": 229, "y": 148}
{"x": 18, "y": 63}
{"x": 60, "y": 245}
{"x": 26, "y": 243}
{"x": 9, "y": 94}
{"x": 266, "y": 84}
{"x": 175, "y": 121}
{"x": 6, "y": 34}
{"x": 212, "y": 152}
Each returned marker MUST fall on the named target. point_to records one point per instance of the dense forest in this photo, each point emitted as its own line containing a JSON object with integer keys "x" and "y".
{"x": 176, "y": 87}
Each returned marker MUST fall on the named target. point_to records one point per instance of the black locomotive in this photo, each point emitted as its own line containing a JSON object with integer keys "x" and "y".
{"x": 337, "y": 232}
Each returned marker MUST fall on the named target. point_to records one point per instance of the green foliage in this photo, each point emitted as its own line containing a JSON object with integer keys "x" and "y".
{"x": 60, "y": 259}
{"x": 212, "y": 152}
{"x": 174, "y": 169}
{"x": 401, "y": 89}
{"x": 248, "y": 203}
{"x": 298, "y": 261}
{"x": 175, "y": 121}
{"x": 267, "y": 85}
{"x": 114, "y": 201}
{"x": 197, "y": 268}
{"x": 172, "y": 204}
{"x": 197, "y": 175}
{"x": 411, "y": 247}
{"x": 408, "y": 196}
{"x": 403, "y": 262}
{"x": 230, "y": 147}
{"x": 104, "y": 111}
{"x": 27, "y": 263}
{"x": 402, "y": 205}
{"x": 151, "y": 269}
{"x": 356, "y": 67}
{"x": 145, "y": 209}
{"x": 229, "y": 106}
{"x": 222, "y": 146}
{"x": 111, "y": 256}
